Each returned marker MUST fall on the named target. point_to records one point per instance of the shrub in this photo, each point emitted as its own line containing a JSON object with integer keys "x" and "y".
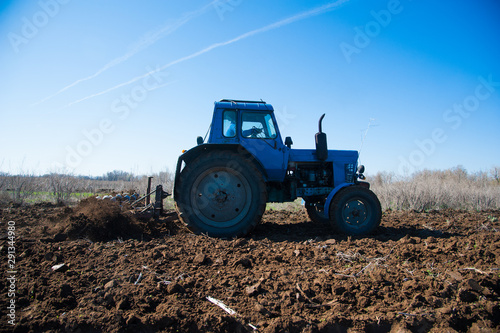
{"x": 453, "y": 188}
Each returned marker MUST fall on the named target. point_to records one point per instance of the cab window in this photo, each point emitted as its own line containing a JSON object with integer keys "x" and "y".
{"x": 229, "y": 123}
{"x": 257, "y": 125}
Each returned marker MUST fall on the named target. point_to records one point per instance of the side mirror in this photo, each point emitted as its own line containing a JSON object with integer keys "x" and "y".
{"x": 288, "y": 142}
{"x": 360, "y": 171}
{"x": 199, "y": 140}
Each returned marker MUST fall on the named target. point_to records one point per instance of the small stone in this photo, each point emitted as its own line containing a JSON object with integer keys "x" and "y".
{"x": 200, "y": 259}
{"x": 297, "y": 253}
{"x": 259, "y": 308}
{"x": 456, "y": 275}
{"x": 110, "y": 284}
{"x": 253, "y": 290}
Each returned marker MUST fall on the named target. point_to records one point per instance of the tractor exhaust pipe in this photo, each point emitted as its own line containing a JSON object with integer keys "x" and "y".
{"x": 321, "y": 144}
{"x": 320, "y": 126}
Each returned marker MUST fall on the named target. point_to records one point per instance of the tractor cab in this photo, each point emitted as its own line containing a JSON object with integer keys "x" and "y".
{"x": 252, "y": 125}
{"x": 236, "y": 120}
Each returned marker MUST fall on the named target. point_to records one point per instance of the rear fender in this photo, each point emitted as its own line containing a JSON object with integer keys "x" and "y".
{"x": 199, "y": 150}
{"x": 331, "y": 195}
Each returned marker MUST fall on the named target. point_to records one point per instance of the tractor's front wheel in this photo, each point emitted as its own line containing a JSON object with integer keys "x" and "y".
{"x": 221, "y": 194}
{"x": 355, "y": 210}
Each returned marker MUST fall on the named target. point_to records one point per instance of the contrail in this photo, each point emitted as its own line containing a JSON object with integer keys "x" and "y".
{"x": 147, "y": 40}
{"x": 272, "y": 26}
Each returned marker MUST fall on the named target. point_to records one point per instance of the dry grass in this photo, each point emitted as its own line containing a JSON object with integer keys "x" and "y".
{"x": 453, "y": 188}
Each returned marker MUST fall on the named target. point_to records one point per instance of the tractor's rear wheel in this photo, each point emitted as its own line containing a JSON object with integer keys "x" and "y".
{"x": 221, "y": 194}
{"x": 355, "y": 210}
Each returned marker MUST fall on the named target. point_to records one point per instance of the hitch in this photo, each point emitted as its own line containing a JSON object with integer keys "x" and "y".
{"x": 159, "y": 196}
{"x": 151, "y": 209}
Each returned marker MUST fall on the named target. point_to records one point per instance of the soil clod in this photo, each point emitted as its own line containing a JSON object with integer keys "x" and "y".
{"x": 96, "y": 268}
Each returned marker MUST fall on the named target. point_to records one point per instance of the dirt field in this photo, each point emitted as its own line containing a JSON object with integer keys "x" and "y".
{"x": 436, "y": 271}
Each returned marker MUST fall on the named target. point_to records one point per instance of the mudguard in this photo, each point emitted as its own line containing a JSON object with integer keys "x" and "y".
{"x": 329, "y": 199}
{"x": 196, "y": 151}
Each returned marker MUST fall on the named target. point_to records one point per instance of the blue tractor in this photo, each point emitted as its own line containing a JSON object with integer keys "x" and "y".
{"x": 222, "y": 185}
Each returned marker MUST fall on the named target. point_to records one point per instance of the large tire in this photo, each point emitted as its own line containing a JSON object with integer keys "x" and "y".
{"x": 355, "y": 210}
{"x": 221, "y": 194}
{"x": 316, "y": 213}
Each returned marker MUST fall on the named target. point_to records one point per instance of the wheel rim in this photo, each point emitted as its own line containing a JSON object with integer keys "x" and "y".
{"x": 356, "y": 213}
{"x": 221, "y": 197}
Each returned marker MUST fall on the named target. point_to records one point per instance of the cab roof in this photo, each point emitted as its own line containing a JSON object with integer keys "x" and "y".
{"x": 246, "y": 105}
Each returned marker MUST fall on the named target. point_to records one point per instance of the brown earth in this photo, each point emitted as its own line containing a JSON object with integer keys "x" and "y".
{"x": 435, "y": 271}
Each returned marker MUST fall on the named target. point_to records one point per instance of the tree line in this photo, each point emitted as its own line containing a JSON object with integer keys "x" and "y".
{"x": 65, "y": 188}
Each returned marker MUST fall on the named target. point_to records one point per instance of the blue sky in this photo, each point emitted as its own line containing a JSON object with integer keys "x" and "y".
{"x": 92, "y": 86}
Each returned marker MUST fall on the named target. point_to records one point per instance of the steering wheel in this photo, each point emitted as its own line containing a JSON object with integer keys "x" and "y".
{"x": 256, "y": 131}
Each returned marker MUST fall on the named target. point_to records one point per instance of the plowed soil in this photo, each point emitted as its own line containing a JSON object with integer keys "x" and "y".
{"x": 435, "y": 271}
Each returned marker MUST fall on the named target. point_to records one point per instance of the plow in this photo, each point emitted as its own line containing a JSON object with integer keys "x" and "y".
{"x": 144, "y": 207}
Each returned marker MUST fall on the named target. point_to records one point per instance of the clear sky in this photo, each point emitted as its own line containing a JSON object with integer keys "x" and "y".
{"x": 93, "y": 86}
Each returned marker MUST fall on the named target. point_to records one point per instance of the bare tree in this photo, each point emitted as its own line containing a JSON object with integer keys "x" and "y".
{"x": 495, "y": 173}
{"x": 21, "y": 187}
{"x": 118, "y": 175}
{"x": 3, "y": 178}
{"x": 4, "y": 197}
{"x": 62, "y": 186}
{"x": 166, "y": 179}
{"x": 3, "y": 181}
